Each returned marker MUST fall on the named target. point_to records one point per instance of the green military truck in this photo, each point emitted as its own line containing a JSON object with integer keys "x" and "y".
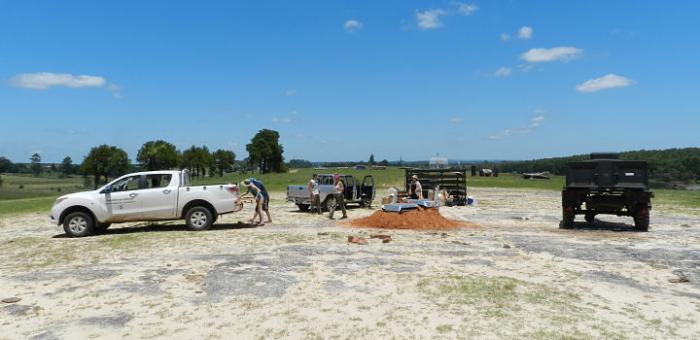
{"x": 605, "y": 184}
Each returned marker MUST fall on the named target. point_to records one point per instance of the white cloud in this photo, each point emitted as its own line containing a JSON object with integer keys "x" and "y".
{"x": 456, "y": 120}
{"x": 505, "y": 36}
{"x": 503, "y": 72}
{"x": 290, "y": 92}
{"x": 563, "y": 53}
{"x": 281, "y": 120}
{"x": 534, "y": 123}
{"x": 45, "y": 80}
{"x": 525, "y": 32}
{"x": 352, "y": 25}
{"x": 607, "y": 81}
{"x": 430, "y": 19}
{"x": 464, "y": 8}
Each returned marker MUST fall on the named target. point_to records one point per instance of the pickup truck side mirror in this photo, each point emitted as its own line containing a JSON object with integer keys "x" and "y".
{"x": 106, "y": 190}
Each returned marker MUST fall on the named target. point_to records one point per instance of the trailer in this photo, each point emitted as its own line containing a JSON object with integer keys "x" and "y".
{"x": 454, "y": 181}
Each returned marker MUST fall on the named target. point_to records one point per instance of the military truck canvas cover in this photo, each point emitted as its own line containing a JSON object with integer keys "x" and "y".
{"x": 608, "y": 174}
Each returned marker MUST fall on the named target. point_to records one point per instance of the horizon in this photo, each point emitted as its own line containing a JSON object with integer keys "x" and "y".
{"x": 495, "y": 80}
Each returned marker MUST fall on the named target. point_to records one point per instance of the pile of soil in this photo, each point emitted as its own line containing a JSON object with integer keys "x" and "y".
{"x": 412, "y": 219}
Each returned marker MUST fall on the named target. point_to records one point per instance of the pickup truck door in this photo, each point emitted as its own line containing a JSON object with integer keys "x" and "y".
{"x": 123, "y": 202}
{"x": 350, "y": 189}
{"x": 159, "y": 197}
{"x": 367, "y": 190}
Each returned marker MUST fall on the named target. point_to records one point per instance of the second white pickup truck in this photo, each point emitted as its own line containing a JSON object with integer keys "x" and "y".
{"x": 144, "y": 196}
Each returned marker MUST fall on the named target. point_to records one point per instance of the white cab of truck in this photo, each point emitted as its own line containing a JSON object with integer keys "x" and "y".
{"x": 144, "y": 196}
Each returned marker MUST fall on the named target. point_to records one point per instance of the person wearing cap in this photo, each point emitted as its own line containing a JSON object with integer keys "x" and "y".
{"x": 258, "y": 198}
{"x": 339, "y": 192}
{"x": 314, "y": 194}
{"x": 415, "y": 190}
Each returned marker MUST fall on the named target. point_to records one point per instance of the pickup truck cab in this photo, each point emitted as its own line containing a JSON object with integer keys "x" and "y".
{"x": 361, "y": 193}
{"x": 144, "y": 196}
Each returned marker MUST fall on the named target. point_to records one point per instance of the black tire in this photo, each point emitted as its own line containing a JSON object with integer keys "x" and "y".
{"x": 199, "y": 218}
{"x": 641, "y": 222}
{"x": 79, "y": 224}
{"x": 366, "y": 204}
{"x": 101, "y": 227}
{"x": 590, "y": 218}
{"x": 567, "y": 221}
{"x": 303, "y": 207}
{"x": 330, "y": 204}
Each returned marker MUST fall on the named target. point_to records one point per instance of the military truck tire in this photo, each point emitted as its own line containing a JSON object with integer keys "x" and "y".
{"x": 303, "y": 207}
{"x": 567, "y": 221}
{"x": 199, "y": 218}
{"x": 78, "y": 224}
{"x": 641, "y": 222}
{"x": 590, "y": 218}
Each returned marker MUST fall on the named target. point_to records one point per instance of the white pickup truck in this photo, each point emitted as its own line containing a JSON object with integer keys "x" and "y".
{"x": 144, "y": 196}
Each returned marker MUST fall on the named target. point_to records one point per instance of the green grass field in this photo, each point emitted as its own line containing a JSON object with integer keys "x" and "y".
{"x": 38, "y": 193}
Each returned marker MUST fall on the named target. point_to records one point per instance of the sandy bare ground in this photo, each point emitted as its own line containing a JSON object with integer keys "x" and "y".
{"x": 516, "y": 276}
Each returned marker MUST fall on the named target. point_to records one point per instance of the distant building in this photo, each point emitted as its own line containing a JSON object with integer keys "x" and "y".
{"x": 438, "y": 162}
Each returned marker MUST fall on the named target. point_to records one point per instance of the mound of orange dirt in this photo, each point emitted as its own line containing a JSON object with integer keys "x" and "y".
{"x": 412, "y": 219}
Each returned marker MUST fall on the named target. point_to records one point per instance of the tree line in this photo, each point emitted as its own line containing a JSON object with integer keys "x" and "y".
{"x": 108, "y": 161}
{"x": 669, "y": 165}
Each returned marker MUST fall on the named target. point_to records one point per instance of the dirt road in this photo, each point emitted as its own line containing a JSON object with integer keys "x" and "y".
{"x": 517, "y": 275}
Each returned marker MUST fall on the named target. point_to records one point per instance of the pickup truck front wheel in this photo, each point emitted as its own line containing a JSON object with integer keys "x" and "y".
{"x": 78, "y": 224}
{"x": 199, "y": 218}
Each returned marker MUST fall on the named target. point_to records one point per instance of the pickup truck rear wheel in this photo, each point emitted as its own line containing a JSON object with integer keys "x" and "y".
{"x": 331, "y": 203}
{"x": 199, "y": 218}
{"x": 78, "y": 224}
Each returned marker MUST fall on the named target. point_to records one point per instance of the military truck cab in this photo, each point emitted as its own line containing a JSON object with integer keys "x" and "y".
{"x": 606, "y": 184}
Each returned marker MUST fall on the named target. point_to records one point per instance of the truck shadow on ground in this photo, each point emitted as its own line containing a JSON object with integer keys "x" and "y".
{"x": 599, "y": 225}
{"x": 149, "y": 228}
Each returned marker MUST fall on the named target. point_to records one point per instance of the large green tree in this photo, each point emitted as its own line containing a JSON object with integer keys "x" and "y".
{"x": 6, "y": 165}
{"x": 36, "y": 164}
{"x": 265, "y": 151}
{"x": 67, "y": 167}
{"x": 158, "y": 155}
{"x": 105, "y": 161}
{"x": 197, "y": 159}
{"x": 371, "y": 160}
{"x": 222, "y": 161}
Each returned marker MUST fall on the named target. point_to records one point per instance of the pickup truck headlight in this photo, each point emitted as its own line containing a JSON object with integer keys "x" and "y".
{"x": 59, "y": 200}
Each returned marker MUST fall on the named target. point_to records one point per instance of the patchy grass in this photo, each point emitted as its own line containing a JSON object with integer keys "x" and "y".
{"x": 37, "y": 186}
{"x": 442, "y": 329}
{"x": 26, "y": 205}
{"x": 510, "y": 303}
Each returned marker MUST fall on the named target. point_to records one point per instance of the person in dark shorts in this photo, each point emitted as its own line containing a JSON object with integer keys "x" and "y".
{"x": 265, "y": 204}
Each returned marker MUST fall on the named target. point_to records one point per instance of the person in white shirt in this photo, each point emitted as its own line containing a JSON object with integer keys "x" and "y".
{"x": 339, "y": 192}
{"x": 314, "y": 194}
{"x": 415, "y": 190}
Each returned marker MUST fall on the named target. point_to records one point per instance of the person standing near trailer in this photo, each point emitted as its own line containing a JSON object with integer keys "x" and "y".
{"x": 339, "y": 192}
{"x": 314, "y": 194}
{"x": 415, "y": 190}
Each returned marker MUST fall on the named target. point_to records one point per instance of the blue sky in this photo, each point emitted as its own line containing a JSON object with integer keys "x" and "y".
{"x": 342, "y": 79}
